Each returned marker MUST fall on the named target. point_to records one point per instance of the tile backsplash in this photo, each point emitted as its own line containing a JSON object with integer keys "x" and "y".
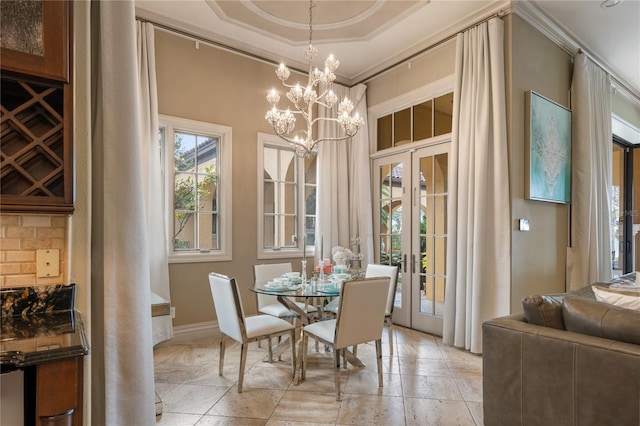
{"x": 21, "y": 235}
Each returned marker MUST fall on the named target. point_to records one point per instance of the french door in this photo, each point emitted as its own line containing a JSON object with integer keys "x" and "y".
{"x": 411, "y": 224}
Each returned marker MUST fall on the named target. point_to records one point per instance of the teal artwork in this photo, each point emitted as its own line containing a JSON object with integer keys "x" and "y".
{"x": 549, "y": 150}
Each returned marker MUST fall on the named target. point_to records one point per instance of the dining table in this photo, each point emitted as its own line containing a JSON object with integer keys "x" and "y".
{"x": 314, "y": 292}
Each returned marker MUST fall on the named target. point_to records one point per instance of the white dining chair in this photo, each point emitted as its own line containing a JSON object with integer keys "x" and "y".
{"x": 233, "y": 323}
{"x": 268, "y": 304}
{"x": 377, "y": 270}
{"x": 356, "y": 323}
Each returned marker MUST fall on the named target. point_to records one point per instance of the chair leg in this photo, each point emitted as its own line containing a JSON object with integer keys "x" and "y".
{"x": 379, "y": 358}
{"x": 221, "y": 361}
{"x": 304, "y": 342}
{"x": 292, "y": 341}
{"x": 243, "y": 361}
{"x": 390, "y": 327}
{"x": 270, "y": 350}
{"x": 336, "y": 370}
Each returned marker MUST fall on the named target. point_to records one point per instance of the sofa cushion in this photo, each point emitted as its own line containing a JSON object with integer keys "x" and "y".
{"x": 545, "y": 310}
{"x": 601, "y": 320}
{"x": 625, "y": 298}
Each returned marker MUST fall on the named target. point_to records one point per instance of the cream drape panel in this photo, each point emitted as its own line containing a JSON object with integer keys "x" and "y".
{"x": 360, "y": 204}
{"x": 478, "y": 250}
{"x": 589, "y": 257}
{"x": 122, "y": 379}
{"x": 344, "y": 181}
{"x": 162, "y": 326}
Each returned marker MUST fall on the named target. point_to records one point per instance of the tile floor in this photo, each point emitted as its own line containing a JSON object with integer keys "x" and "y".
{"x": 425, "y": 383}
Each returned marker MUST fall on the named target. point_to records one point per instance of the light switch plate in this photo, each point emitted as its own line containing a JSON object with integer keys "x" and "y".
{"x": 47, "y": 263}
{"x": 523, "y": 224}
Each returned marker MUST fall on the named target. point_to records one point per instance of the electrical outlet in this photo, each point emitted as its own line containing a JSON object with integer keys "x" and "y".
{"x": 523, "y": 224}
{"x": 47, "y": 263}
{"x": 173, "y": 312}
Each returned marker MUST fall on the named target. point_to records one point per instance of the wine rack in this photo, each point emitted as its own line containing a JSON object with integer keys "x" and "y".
{"x": 36, "y": 168}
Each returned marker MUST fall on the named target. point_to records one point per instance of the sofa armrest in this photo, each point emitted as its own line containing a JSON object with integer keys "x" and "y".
{"x": 538, "y": 375}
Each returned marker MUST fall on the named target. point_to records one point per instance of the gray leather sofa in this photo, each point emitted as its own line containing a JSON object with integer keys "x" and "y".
{"x": 546, "y": 375}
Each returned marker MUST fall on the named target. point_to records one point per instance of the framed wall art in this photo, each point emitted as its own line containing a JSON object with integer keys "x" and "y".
{"x": 547, "y": 150}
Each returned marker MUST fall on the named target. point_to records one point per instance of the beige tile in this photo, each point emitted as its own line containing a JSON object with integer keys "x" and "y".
{"x": 470, "y": 388}
{"x": 306, "y": 406}
{"x": 252, "y": 403}
{"x": 278, "y": 375}
{"x": 176, "y": 374}
{"x": 177, "y": 419}
{"x": 366, "y": 383}
{"x": 436, "y": 387}
{"x": 293, "y": 423}
{"x": 424, "y": 367}
{"x": 371, "y": 410}
{"x": 433, "y": 412}
{"x": 191, "y": 399}
{"x": 476, "y": 412}
{"x": 469, "y": 368}
{"x": 417, "y": 350}
{"x": 163, "y": 388}
{"x": 229, "y": 421}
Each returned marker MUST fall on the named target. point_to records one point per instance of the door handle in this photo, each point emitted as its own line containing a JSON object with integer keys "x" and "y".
{"x": 413, "y": 263}
{"x": 404, "y": 266}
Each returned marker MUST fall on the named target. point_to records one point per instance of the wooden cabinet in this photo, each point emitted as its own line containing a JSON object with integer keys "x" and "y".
{"x": 53, "y": 393}
{"x": 37, "y": 155}
{"x": 36, "y": 166}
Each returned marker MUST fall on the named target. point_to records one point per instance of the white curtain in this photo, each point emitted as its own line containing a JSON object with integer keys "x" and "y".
{"x": 478, "y": 249}
{"x": 360, "y": 204}
{"x": 151, "y": 173}
{"x": 344, "y": 181}
{"x": 122, "y": 376}
{"x": 589, "y": 257}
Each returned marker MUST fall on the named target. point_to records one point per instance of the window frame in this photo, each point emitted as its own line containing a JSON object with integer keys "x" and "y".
{"x": 270, "y": 140}
{"x": 224, "y": 188}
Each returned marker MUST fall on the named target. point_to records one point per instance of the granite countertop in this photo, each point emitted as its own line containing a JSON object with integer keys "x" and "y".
{"x": 40, "y": 324}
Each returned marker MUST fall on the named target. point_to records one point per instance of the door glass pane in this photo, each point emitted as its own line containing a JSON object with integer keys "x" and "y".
{"x": 422, "y": 120}
{"x": 441, "y": 173}
{"x": 426, "y": 175}
{"x": 426, "y": 295}
{"x": 443, "y": 114}
{"x": 385, "y": 130}
{"x": 390, "y": 225}
{"x": 439, "y": 296}
{"x": 402, "y": 127}
{"x": 617, "y": 207}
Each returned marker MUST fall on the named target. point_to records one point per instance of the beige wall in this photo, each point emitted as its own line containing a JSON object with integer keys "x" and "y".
{"x": 211, "y": 85}
{"x": 538, "y": 256}
{"x": 432, "y": 66}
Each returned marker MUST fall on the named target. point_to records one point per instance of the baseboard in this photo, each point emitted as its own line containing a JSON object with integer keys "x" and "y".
{"x": 190, "y": 332}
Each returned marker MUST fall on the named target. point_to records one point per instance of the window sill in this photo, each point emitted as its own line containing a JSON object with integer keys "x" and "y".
{"x": 199, "y": 257}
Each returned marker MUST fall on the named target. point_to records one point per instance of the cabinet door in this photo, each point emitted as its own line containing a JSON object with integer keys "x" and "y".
{"x": 34, "y": 39}
{"x": 59, "y": 392}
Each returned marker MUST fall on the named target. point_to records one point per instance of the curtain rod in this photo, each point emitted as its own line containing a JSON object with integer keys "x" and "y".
{"x": 498, "y": 14}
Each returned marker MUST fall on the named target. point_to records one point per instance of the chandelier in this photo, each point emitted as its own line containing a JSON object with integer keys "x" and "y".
{"x": 317, "y": 93}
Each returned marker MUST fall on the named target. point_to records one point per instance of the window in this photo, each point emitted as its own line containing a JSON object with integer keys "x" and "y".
{"x": 286, "y": 193}
{"x": 197, "y": 176}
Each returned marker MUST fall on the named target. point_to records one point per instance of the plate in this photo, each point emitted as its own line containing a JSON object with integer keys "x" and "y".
{"x": 278, "y": 287}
